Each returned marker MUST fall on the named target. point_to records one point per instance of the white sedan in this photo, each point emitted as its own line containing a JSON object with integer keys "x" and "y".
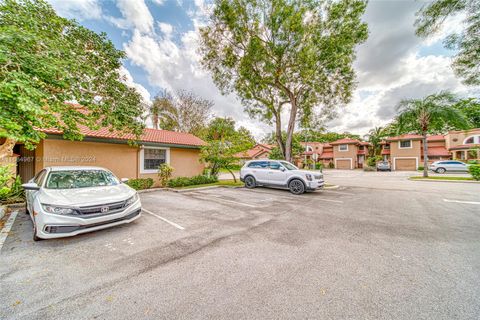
{"x": 66, "y": 201}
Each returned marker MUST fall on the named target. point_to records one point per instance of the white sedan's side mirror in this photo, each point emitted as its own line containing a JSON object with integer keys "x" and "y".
{"x": 31, "y": 186}
{"x": 124, "y": 180}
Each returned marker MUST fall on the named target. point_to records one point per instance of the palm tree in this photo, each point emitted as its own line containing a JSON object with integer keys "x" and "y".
{"x": 161, "y": 108}
{"x": 432, "y": 114}
{"x": 375, "y": 136}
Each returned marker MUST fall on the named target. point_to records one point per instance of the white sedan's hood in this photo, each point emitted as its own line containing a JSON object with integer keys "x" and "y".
{"x": 86, "y": 196}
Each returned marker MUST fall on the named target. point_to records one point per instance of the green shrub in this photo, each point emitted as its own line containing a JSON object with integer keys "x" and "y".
{"x": 164, "y": 173}
{"x": 318, "y": 166}
{"x": 372, "y": 161}
{"x": 186, "y": 181}
{"x": 474, "y": 170}
{"x": 331, "y": 165}
{"x": 473, "y": 162}
{"x": 369, "y": 168}
{"x": 11, "y": 190}
{"x": 140, "y": 184}
{"x": 420, "y": 168}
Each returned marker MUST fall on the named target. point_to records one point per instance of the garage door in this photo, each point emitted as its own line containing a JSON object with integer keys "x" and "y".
{"x": 343, "y": 164}
{"x": 406, "y": 164}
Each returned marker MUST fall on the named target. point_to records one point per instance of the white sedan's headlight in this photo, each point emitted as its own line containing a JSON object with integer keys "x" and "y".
{"x": 58, "y": 210}
{"x": 132, "y": 199}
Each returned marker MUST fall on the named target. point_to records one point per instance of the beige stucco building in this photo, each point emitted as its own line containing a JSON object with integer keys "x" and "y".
{"x": 115, "y": 152}
{"x": 405, "y": 152}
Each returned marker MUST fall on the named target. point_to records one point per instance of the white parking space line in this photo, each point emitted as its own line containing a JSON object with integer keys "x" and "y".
{"x": 163, "y": 219}
{"x": 338, "y": 192}
{"x": 6, "y": 229}
{"x": 460, "y": 201}
{"x": 233, "y": 201}
{"x": 328, "y": 200}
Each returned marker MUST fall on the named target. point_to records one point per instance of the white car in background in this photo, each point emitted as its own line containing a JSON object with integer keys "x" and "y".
{"x": 67, "y": 201}
{"x": 448, "y": 166}
{"x": 280, "y": 174}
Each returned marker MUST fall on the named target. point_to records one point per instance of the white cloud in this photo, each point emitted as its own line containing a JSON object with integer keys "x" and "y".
{"x": 174, "y": 64}
{"x": 135, "y": 15}
{"x": 128, "y": 79}
{"x": 165, "y": 28}
{"x": 159, "y": 2}
{"x": 78, "y": 9}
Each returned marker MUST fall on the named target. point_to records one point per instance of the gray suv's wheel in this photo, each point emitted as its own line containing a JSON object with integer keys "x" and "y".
{"x": 250, "y": 182}
{"x": 440, "y": 170}
{"x": 296, "y": 186}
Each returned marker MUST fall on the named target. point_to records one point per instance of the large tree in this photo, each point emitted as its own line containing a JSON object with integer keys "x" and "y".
{"x": 45, "y": 61}
{"x": 433, "y": 114}
{"x": 284, "y": 53}
{"x": 432, "y": 17}
{"x": 183, "y": 111}
{"x": 471, "y": 109}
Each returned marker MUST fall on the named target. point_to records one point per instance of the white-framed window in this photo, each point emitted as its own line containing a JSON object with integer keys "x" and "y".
{"x": 152, "y": 157}
{"x": 472, "y": 140}
{"x": 343, "y": 147}
{"x": 405, "y": 144}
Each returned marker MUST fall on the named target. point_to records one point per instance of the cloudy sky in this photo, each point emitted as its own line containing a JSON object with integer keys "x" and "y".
{"x": 160, "y": 39}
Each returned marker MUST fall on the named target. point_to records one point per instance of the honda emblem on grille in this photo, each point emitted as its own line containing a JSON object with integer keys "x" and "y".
{"x": 104, "y": 209}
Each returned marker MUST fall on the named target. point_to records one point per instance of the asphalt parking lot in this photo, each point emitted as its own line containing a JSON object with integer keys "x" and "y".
{"x": 367, "y": 250}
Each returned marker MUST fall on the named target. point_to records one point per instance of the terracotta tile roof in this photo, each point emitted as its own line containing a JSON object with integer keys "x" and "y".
{"x": 438, "y": 137}
{"x": 437, "y": 151}
{"x": 149, "y": 135}
{"x": 385, "y": 151}
{"x": 464, "y": 146}
{"x": 255, "y": 151}
{"x": 365, "y": 143}
{"x": 361, "y": 152}
{"x": 405, "y": 137}
{"x": 326, "y": 155}
{"x": 345, "y": 141}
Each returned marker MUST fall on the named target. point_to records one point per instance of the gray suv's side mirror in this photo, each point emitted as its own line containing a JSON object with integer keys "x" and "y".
{"x": 282, "y": 169}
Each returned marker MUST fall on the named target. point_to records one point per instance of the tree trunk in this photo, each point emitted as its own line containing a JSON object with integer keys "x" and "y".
{"x": 425, "y": 156}
{"x": 290, "y": 128}
{"x": 278, "y": 133}
{"x": 6, "y": 149}
{"x": 233, "y": 175}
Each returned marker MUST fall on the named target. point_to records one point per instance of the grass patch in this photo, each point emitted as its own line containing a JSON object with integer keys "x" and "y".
{"x": 443, "y": 178}
{"x": 227, "y": 183}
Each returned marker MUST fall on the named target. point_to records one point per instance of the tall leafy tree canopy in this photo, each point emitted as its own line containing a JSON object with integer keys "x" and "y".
{"x": 284, "y": 53}
{"x": 471, "y": 109}
{"x": 45, "y": 61}
{"x": 431, "y": 18}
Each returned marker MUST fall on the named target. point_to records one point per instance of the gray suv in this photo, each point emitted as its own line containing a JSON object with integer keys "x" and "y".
{"x": 280, "y": 174}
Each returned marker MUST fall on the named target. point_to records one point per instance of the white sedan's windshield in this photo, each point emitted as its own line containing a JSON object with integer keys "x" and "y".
{"x": 73, "y": 179}
{"x": 288, "y": 165}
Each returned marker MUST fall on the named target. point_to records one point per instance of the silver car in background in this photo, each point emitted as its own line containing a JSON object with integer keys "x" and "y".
{"x": 66, "y": 201}
{"x": 448, "y": 166}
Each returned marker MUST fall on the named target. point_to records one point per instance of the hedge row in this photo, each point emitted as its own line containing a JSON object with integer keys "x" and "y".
{"x": 140, "y": 184}
{"x": 185, "y": 181}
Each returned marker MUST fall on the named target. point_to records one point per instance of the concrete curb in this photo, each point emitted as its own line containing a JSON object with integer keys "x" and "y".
{"x": 3, "y": 210}
{"x": 438, "y": 180}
